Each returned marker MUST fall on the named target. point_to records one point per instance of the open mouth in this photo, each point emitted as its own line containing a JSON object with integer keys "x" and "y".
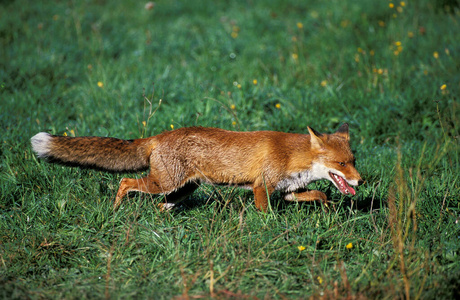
{"x": 342, "y": 184}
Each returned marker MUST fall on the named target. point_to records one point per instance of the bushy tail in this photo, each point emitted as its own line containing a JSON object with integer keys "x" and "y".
{"x": 101, "y": 153}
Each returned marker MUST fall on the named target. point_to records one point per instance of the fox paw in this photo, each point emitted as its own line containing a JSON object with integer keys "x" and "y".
{"x": 166, "y": 206}
{"x": 319, "y": 196}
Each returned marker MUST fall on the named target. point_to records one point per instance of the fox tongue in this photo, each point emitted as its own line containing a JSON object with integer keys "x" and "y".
{"x": 350, "y": 189}
{"x": 343, "y": 185}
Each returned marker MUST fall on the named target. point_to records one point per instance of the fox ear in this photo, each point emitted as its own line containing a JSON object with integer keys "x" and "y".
{"x": 343, "y": 131}
{"x": 315, "y": 138}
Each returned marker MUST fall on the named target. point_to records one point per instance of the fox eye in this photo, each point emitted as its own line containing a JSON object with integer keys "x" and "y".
{"x": 342, "y": 164}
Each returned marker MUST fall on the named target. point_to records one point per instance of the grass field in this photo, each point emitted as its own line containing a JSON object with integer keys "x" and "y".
{"x": 390, "y": 69}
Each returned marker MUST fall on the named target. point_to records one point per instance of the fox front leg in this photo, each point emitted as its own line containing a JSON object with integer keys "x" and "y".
{"x": 306, "y": 196}
{"x": 261, "y": 196}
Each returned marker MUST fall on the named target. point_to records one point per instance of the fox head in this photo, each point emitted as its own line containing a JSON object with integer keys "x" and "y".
{"x": 335, "y": 162}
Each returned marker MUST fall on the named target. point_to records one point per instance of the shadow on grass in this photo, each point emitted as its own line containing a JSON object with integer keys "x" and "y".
{"x": 234, "y": 198}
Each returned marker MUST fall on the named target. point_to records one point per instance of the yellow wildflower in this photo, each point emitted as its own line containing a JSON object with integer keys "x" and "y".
{"x": 301, "y": 248}
{"x": 323, "y": 83}
{"x": 172, "y": 126}
{"x": 436, "y": 54}
{"x": 320, "y": 280}
{"x": 100, "y": 84}
{"x": 278, "y": 105}
{"x": 443, "y": 87}
{"x": 232, "y": 106}
{"x": 254, "y": 81}
{"x": 349, "y": 246}
{"x": 299, "y": 25}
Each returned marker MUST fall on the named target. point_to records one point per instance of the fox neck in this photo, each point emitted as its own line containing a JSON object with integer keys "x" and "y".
{"x": 299, "y": 180}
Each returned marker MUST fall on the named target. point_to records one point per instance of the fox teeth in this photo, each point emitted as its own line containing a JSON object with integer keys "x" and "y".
{"x": 339, "y": 180}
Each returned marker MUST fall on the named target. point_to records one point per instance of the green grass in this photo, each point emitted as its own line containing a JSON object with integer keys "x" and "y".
{"x": 324, "y": 63}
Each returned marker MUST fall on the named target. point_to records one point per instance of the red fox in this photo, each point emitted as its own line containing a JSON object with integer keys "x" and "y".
{"x": 179, "y": 160}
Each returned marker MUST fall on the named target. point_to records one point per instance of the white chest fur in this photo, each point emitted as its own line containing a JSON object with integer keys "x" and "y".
{"x": 301, "y": 179}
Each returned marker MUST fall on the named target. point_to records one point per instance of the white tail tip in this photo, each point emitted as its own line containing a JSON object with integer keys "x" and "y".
{"x": 41, "y": 143}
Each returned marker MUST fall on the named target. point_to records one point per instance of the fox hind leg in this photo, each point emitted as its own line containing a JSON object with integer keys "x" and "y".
{"x": 148, "y": 184}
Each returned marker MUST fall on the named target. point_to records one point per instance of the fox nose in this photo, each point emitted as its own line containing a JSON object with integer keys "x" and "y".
{"x": 360, "y": 182}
